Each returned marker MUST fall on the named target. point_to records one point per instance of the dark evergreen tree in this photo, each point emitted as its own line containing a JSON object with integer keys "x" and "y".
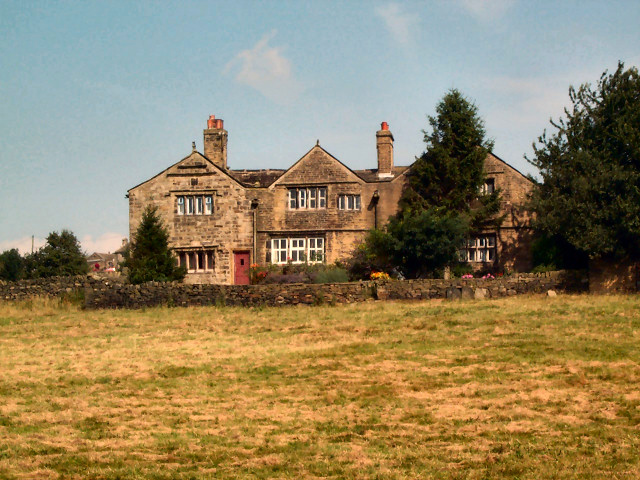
{"x": 11, "y": 265}
{"x": 443, "y": 203}
{"x": 149, "y": 257}
{"x": 450, "y": 173}
{"x": 590, "y": 169}
{"x": 60, "y": 256}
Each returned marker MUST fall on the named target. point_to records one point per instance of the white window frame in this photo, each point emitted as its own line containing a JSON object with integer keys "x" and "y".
{"x": 489, "y": 186}
{"x": 297, "y": 250}
{"x": 316, "y": 249}
{"x": 322, "y": 197}
{"x": 348, "y": 201}
{"x": 312, "y": 198}
{"x": 481, "y": 249}
{"x": 279, "y": 251}
{"x": 194, "y": 205}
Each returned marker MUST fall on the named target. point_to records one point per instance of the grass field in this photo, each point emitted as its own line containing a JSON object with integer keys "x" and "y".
{"x": 527, "y": 387}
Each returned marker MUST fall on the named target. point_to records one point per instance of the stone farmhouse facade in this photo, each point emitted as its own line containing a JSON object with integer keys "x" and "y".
{"x": 221, "y": 220}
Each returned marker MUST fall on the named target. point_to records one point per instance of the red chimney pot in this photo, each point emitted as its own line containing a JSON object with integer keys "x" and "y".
{"x": 211, "y": 121}
{"x": 384, "y": 126}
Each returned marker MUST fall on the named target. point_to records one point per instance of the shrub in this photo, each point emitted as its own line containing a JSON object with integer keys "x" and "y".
{"x": 331, "y": 275}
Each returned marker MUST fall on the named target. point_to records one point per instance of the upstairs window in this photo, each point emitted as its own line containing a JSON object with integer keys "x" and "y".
{"x": 488, "y": 187}
{"x": 307, "y": 198}
{"x": 349, "y": 202}
{"x": 194, "y": 204}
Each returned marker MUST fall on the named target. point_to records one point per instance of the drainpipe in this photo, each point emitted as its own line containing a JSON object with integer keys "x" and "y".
{"x": 374, "y": 200}
{"x": 254, "y": 210}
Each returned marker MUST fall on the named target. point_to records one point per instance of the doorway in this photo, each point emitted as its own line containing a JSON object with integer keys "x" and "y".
{"x": 241, "y": 270}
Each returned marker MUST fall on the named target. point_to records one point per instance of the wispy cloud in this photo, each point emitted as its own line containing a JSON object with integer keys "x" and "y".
{"x": 22, "y": 244}
{"x": 106, "y": 243}
{"x": 486, "y": 11}
{"x": 267, "y": 70}
{"x": 400, "y": 24}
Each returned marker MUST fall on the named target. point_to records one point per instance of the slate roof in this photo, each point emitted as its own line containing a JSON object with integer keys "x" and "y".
{"x": 264, "y": 178}
{"x": 256, "y": 178}
{"x": 371, "y": 174}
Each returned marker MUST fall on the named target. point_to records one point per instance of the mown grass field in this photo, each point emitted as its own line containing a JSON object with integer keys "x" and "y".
{"x": 527, "y": 387}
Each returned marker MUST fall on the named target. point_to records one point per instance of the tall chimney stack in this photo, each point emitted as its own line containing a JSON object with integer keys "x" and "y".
{"x": 384, "y": 143}
{"x": 215, "y": 142}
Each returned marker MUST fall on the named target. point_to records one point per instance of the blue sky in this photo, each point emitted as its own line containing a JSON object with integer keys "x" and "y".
{"x": 99, "y": 96}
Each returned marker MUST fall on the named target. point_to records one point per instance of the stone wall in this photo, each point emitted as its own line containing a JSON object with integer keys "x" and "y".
{"x": 607, "y": 276}
{"x": 115, "y": 292}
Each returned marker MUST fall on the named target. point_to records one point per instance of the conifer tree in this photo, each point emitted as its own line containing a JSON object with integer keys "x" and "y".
{"x": 149, "y": 257}
{"x": 450, "y": 173}
{"x": 443, "y": 203}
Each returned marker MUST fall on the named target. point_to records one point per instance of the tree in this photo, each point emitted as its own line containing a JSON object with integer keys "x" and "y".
{"x": 450, "y": 173}
{"x": 443, "y": 203}
{"x": 60, "y": 256}
{"x": 417, "y": 244}
{"x": 590, "y": 169}
{"x": 11, "y": 265}
{"x": 149, "y": 258}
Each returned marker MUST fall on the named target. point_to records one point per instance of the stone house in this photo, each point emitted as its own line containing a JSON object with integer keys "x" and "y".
{"x": 222, "y": 220}
{"x": 107, "y": 261}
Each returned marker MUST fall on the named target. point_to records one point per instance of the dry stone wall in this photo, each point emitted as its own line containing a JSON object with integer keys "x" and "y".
{"x": 115, "y": 292}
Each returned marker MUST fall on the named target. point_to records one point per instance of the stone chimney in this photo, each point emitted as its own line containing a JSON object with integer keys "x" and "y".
{"x": 215, "y": 142}
{"x": 384, "y": 143}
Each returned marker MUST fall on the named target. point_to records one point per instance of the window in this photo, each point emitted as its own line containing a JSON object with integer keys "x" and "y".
{"x": 307, "y": 198}
{"x": 316, "y": 250}
{"x": 479, "y": 249}
{"x": 279, "y": 250}
{"x": 349, "y": 202}
{"x": 322, "y": 198}
{"x": 297, "y": 250}
{"x": 488, "y": 187}
{"x": 196, "y": 261}
{"x": 195, "y": 204}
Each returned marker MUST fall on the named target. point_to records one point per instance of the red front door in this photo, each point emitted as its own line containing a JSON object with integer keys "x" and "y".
{"x": 241, "y": 262}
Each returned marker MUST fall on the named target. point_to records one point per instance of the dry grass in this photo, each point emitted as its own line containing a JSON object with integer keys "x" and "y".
{"x": 515, "y": 388}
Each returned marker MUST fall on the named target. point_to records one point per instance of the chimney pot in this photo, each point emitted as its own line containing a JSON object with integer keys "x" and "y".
{"x": 215, "y": 142}
{"x": 384, "y": 144}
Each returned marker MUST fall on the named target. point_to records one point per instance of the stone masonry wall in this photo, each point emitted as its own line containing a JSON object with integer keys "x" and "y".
{"x": 115, "y": 292}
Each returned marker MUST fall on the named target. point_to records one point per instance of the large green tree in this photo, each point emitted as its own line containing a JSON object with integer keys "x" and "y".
{"x": 590, "y": 169}
{"x": 443, "y": 202}
{"x": 60, "y": 256}
{"x": 149, "y": 257}
{"x": 450, "y": 173}
{"x": 11, "y": 265}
